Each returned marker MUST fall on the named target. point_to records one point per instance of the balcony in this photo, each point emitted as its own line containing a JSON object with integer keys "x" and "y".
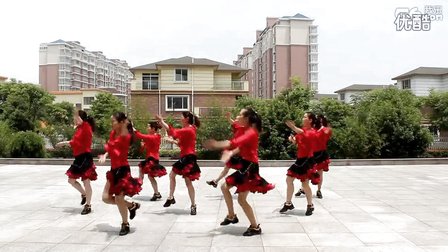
{"x": 231, "y": 86}
{"x": 242, "y": 86}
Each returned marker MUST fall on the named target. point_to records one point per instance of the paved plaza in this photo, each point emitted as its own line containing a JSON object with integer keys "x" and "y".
{"x": 365, "y": 208}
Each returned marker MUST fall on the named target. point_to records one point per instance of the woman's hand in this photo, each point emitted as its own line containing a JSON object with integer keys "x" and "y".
{"x": 102, "y": 158}
{"x": 61, "y": 144}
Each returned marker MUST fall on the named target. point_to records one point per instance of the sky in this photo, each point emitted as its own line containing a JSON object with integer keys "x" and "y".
{"x": 358, "y": 40}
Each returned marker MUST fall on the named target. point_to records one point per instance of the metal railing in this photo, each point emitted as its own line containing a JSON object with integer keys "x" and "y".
{"x": 439, "y": 143}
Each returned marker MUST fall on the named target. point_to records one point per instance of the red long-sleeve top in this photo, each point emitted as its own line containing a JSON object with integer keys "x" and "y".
{"x": 82, "y": 139}
{"x": 237, "y": 129}
{"x": 323, "y": 138}
{"x": 118, "y": 149}
{"x": 248, "y": 144}
{"x": 186, "y": 137}
{"x": 306, "y": 143}
{"x": 152, "y": 144}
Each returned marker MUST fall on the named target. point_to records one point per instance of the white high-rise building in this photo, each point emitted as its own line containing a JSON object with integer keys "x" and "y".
{"x": 68, "y": 66}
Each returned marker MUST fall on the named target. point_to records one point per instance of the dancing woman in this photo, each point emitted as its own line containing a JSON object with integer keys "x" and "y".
{"x": 119, "y": 180}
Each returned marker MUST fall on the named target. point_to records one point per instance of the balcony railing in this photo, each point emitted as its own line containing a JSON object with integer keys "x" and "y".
{"x": 217, "y": 86}
{"x": 231, "y": 86}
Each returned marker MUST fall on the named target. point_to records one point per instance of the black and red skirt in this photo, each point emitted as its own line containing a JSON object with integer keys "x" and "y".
{"x": 322, "y": 160}
{"x": 120, "y": 180}
{"x": 235, "y": 162}
{"x": 187, "y": 167}
{"x": 304, "y": 169}
{"x": 248, "y": 179}
{"x": 83, "y": 167}
{"x": 152, "y": 167}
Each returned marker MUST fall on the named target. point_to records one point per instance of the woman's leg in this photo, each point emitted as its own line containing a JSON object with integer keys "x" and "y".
{"x": 172, "y": 184}
{"x": 123, "y": 206}
{"x": 321, "y": 173}
{"x": 306, "y": 187}
{"x": 225, "y": 188}
{"x": 191, "y": 191}
{"x": 289, "y": 188}
{"x": 153, "y": 184}
{"x": 88, "y": 191}
{"x": 77, "y": 185}
{"x": 108, "y": 198}
{"x": 222, "y": 174}
{"x": 242, "y": 200}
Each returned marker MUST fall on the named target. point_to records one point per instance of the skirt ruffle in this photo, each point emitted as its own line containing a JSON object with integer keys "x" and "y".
{"x": 120, "y": 180}
{"x": 248, "y": 179}
{"x": 187, "y": 167}
{"x": 322, "y": 160}
{"x": 152, "y": 167}
{"x": 83, "y": 167}
{"x": 304, "y": 169}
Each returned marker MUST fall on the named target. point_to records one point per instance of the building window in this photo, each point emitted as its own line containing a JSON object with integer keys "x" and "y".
{"x": 177, "y": 102}
{"x": 150, "y": 81}
{"x": 181, "y": 74}
{"x": 342, "y": 96}
{"x": 88, "y": 100}
{"x": 406, "y": 84}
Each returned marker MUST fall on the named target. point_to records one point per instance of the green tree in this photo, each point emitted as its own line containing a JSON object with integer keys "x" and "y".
{"x": 61, "y": 113}
{"x": 23, "y": 105}
{"x": 289, "y": 104}
{"x": 438, "y": 103}
{"x": 103, "y": 107}
{"x": 335, "y": 111}
{"x": 5, "y": 139}
{"x": 395, "y": 116}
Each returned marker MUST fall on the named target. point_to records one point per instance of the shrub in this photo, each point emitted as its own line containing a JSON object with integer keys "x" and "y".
{"x": 5, "y": 139}
{"x": 27, "y": 145}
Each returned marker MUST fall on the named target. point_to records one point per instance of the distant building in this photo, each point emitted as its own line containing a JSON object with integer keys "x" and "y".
{"x": 424, "y": 79}
{"x": 326, "y": 96}
{"x": 286, "y": 47}
{"x": 68, "y": 66}
{"x": 348, "y": 93}
{"x": 186, "y": 84}
{"x": 3, "y": 79}
{"x": 82, "y": 99}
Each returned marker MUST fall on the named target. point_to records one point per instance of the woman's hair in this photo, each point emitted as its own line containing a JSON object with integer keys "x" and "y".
{"x": 315, "y": 123}
{"x": 192, "y": 119}
{"x": 155, "y": 125}
{"x": 254, "y": 118}
{"x": 121, "y": 117}
{"x": 323, "y": 120}
{"x": 86, "y": 118}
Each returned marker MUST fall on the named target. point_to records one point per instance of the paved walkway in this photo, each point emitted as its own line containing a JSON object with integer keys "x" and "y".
{"x": 370, "y": 208}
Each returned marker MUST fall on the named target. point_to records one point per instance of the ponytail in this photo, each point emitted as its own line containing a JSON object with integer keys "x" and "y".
{"x": 315, "y": 123}
{"x": 192, "y": 119}
{"x": 86, "y": 118}
{"x": 155, "y": 125}
{"x": 130, "y": 128}
{"x": 121, "y": 117}
{"x": 254, "y": 118}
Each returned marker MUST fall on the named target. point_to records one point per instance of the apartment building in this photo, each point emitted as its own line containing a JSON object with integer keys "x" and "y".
{"x": 348, "y": 94}
{"x": 424, "y": 79}
{"x": 286, "y": 47}
{"x": 186, "y": 84}
{"x": 68, "y": 66}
